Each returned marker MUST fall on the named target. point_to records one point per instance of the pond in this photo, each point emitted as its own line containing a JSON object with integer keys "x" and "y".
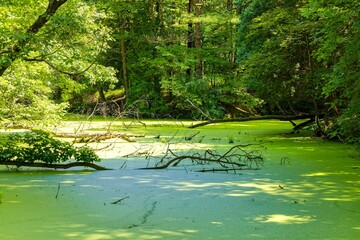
{"x": 308, "y": 188}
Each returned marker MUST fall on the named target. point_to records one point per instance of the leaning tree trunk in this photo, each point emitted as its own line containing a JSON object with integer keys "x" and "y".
{"x": 320, "y": 130}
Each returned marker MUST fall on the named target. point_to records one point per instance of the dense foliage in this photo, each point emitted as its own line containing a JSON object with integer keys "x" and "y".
{"x": 186, "y": 58}
{"x": 49, "y": 57}
{"x": 303, "y": 56}
{"x": 40, "y": 146}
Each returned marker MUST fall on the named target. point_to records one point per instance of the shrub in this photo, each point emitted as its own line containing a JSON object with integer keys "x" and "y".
{"x": 38, "y": 145}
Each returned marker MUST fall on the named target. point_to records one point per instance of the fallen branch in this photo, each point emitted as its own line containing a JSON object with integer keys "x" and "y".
{"x": 199, "y": 109}
{"x": 238, "y": 157}
{"x": 97, "y": 137}
{"x": 58, "y": 190}
{"x": 54, "y": 166}
{"x": 225, "y": 170}
{"x": 189, "y": 138}
{"x": 304, "y": 124}
{"x": 253, "y": 118}
{"x": 118, "y": 201}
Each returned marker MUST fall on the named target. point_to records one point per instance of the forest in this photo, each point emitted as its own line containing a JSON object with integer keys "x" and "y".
{"x": 184, "y": 59}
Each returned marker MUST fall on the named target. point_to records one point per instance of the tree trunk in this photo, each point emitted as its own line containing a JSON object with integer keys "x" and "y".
{"x": 102, "y": 94}
{"x": 53, "y": 6}
{"x": 233, "y": 30}
{"x": 198, "y": 42}
{"x": 159, "y": 10}
{"x": 190, "y": 34}
{"x": 229, "y": 5}
{"x": 319, "y": 131}
{"x": 152, "y": 10}
{"x": 123, "y": 27}
{"x": 124, "y": 67}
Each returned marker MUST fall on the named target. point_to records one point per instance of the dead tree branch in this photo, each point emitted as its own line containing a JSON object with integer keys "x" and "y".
{"x": 304, "y": 124}
{"x": 120, "y": 200}
{"x": 199, "y": 109}
{"x": 238, "y": 157}
{"x": 289, "y": 118}
{"x": 253, "y": 118}
{"x": 97, "y": 137}
{"x": 189, "y": 138}
{"x": 52, "y": 165}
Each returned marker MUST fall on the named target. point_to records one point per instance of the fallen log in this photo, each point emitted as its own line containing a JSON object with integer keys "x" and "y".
{"x": 304, "y": 124}
{"x": 53, "y": 165}
{"x": 253, "y": 118}
{"x": 97, "y": 137}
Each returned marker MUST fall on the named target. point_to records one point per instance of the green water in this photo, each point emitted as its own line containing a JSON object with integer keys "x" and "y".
{"x": 308, "y": 188}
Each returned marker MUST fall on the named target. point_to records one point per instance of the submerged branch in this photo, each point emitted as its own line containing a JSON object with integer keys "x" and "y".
{"x": 225, "y": 169}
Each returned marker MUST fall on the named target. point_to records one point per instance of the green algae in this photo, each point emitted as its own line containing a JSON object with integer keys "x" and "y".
{"x": 309, "y": 188}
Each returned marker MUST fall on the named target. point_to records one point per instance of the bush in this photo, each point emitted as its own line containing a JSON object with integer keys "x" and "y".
{"x": 40, "y": 146}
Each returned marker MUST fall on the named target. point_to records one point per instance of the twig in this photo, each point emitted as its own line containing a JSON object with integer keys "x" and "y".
{"x": 121, "y": 199}
{"x": 146, "y": 215}
{"x": 225, "y": 170}
{"x": 58, "y": 189}
{"x": 201, "y": 111}
{"x": 123, "y": 165}
{"x": 189, "y": 138}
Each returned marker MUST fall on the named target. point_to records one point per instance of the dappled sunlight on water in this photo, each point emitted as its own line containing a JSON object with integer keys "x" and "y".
{"x": 285, "y": 219}
{"x": 312, "y": 193}
{"x": 293, "y": 190}
{"x": 126, "y": 234}
{"x": 189, "y": 205}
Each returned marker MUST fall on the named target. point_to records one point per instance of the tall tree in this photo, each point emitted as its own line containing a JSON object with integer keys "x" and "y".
{"x": 301, "y": 56}
{"x": 198, "y": 37}
{"x": 13, "y": 52}
{"x": 59, "y": 53}
{"x": 276, "y": 56}
{"x": 337, "y": 52}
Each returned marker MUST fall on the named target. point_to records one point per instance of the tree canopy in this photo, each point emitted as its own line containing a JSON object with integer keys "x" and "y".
{"x": 186, "y": 58}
